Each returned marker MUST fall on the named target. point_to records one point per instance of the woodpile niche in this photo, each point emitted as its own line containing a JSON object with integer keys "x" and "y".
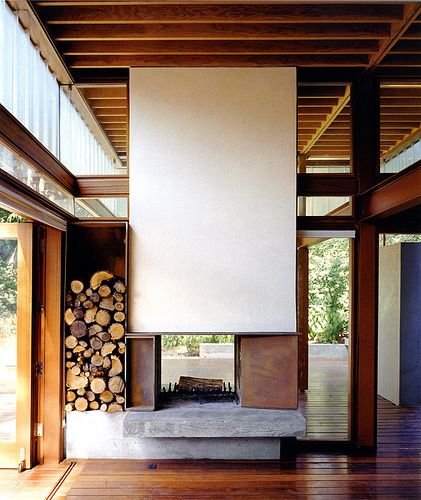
{"x": 95, "y": 318}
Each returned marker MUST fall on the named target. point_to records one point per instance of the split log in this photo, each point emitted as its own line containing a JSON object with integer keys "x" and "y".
{"x": 78, "y": 312}
{"x": 96, "y": 343}
{"x": 70, "y": 396}
{"x": 121, "y": 347}
{"x": 76, "y": 381}
{"x": 90, "y": 315}
{"x": 106, "y": 396}
{"x": 98, "y": 385}
{"x": 119, "y": 316}
{"x": 78, "y": 348}
{"x": 88, "y": 304}
{"x": 75, "y": 370}
{"x": 80, "y": 392}
{"x": 97, "y": 360}
{"x": 193, "y": 384}
{"x": 89, "y": 292}
{"x": 107, "y": 363}
{"x": 90, "y": 396}
{"x": 78, "y": 329}
{"x": 94, "y": 329}
{"x": 114, "y": 407}
{"x": 116, "y": 384}
{"x": 69, "y": 317}
{"x": 94, "y": 297}
{"x": 81, "y": 297}
{"x": 88, "y": 353}
{"x": 119, "y": 306}
{"x": 107, "y": 303}
{"x": 104, "y": 336}
{"x": 69, "y": 407}
{"x": 116, "y": 366}
{"x": 103, "y": 407}
{"x": 119, "y": 287}
{"x": 70, "y": 342}
{"x": 81, "y": 404}
{"x": 103, "y": 317}
{"x": 107, "y": 349}
{"x": 104, "y": 291}
{"x": 116, "y": 330}
{"x": 83, "y": 343}
{"x": 120, "y": 399}
{"x": 69, "y": 364}
{"x": 69, "y": 355}
{"x": 68, "y": 298}
{"x": 119, "y": 297}
{"x": 99, "y": 277}
{"x": 76, "y": 286}
{"x": 94, "y": 405}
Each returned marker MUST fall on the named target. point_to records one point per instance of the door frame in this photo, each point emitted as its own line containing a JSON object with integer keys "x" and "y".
{"x": 10, "y": 453}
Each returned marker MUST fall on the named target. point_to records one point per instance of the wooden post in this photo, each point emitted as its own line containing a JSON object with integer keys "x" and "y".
{"x": 365, "y": 103}
{"x": 53, "y": 354}
{"x": 302, "y": 317}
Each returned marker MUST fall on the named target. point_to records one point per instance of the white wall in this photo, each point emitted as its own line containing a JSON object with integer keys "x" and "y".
{"x": 389, "y": 322}
{"x": 212, "y": 199}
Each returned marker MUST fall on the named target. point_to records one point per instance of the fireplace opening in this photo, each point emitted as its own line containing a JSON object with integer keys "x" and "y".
{"x": 197, "y": 368}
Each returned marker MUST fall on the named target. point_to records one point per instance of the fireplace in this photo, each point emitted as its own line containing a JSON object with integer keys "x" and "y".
{"x": 262, "y": 373}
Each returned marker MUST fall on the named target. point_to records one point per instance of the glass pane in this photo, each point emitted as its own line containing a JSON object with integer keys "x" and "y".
{"x": 42, "y": 184}
{"x": 324, "y": 129}
{"x": 324, "y": 205}
{"x": 86, "y": 208}
{"x": 8, "y": 353}
{"x": 400, "y": 126}
{"x": 199, "y": 356}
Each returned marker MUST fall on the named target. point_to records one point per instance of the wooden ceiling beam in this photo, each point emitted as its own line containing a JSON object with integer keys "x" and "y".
{"x": 402, "y": 60}
{"x": 401, "y": 101}
{"x": 108, "y": 103}
{"x": 399, "y": 91}
{"x": 332, "y": 115}
{"x": 221, "y": 13}
{"x": 357, "y": 60}
{"x": 410, "y": 13}
{"x": 174, "y": 47}
{"x": 316, "y": 91}
{"x": 228, "y": 31}
{"x": 110, "y": 93}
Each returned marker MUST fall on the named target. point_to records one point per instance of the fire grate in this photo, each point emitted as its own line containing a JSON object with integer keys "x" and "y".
{"x": 223, "y": 393}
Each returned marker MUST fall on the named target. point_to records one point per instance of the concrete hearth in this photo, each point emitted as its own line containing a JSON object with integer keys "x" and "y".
{"x": 187, "y": 430}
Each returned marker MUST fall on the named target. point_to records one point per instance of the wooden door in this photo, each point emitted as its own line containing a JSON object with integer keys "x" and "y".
{"x": 15, "y": 344}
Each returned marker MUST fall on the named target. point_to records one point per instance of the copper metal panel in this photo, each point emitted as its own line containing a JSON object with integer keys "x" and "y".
{"x": 269, "y": 372}
{"x": 141, "y": 373}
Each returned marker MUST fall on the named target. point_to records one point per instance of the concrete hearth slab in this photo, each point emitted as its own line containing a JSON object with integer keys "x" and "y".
{"x": 190, "y": 430}
{"x": 228, "y": 420}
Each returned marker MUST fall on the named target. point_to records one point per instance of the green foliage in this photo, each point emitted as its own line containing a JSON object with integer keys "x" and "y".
{"x": 8, "y": 288}
{"x": 8, "y": 270}
{"x": 391, "y": 239}
{"x": 191, "y": 342}
{"x": 6, "y": 216}
{"x": 329, "y": 291}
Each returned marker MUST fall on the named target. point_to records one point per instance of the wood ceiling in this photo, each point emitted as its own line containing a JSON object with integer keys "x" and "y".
{"x": 107, "y": 37}
{"x": 111, "y": 108}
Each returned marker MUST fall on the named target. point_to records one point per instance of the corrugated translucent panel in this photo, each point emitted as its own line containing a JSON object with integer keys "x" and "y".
{"x": 403, "y": 159}
{"x": 27, "y": 87}
{"x": 79, "y": 149}
{"x": 32, "y": 94}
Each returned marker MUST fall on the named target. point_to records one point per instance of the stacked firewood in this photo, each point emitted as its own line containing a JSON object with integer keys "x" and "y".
{"x": 95, "y": 327}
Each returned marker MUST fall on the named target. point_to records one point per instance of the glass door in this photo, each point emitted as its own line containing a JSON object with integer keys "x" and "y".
{"x": 15, "y": 344}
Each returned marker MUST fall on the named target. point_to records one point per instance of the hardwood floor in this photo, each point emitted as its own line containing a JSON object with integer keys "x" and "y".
{"x": 394, "y": 471}
{"x": 325, "y": 403}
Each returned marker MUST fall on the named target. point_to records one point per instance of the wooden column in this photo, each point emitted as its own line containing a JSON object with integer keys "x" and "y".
{"x": 302, "y": 317}
{"x": 53, "y": 354}
{"x": 365, "y": 103}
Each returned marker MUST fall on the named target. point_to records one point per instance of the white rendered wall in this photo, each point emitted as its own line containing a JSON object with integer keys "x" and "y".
{"x": 389, "y": 322}
{"x": 212, "y": 199}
